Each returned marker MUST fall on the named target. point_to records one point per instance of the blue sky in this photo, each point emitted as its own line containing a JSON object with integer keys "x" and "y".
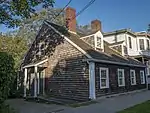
{"x": 114, "y": 14}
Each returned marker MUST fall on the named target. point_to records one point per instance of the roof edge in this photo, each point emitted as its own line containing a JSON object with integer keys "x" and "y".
{"x": 112, "y": 62}
{"x": 68, "y": 40}
{"x": 119, "y": 32}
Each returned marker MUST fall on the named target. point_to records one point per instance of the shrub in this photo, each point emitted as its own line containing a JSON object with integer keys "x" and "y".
{"x": 7, "y": 75}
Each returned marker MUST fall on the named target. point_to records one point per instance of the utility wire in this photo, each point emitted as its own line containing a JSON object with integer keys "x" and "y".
{"x": 62, "y": 10}
{"x": 82, "y": 10}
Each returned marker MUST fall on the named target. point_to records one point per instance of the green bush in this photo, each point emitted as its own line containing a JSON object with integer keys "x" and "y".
{"x": 6, "y": 109}
{"x": 7, "y": 75}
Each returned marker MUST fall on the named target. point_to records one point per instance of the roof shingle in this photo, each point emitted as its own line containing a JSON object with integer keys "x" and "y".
{"x": 108, "y": 55}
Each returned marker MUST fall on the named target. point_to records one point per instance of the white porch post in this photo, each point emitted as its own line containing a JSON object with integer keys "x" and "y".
{"x": 35, "y": 82}
{"x": 25, "y": 82}
{"x": 43, "y": 77}
{"x": 38, "y": 85}
{"x": 92, "y": 80}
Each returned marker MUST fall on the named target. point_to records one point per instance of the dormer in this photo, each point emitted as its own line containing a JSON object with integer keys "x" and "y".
{"x": 95, "y": 37}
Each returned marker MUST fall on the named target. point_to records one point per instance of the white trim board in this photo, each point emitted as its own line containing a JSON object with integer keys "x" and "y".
{"x": 88, "y": 35}
{"x": 112, "y": 62}
{"x": 92, "y": 92}
{"x": 35, "y": 64}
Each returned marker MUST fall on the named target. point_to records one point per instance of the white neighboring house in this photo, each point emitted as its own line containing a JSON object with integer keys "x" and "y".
{"x": 128, "y": 43}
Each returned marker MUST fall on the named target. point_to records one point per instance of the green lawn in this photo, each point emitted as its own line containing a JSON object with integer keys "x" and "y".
{"x": 140, "y": 108}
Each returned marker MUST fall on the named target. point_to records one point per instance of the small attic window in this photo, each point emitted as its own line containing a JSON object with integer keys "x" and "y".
{"x": 98, "y": 42}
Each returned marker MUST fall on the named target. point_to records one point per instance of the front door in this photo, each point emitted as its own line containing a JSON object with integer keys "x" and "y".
{"x": 42, "y": 82}
{"x": 31, "y": 82}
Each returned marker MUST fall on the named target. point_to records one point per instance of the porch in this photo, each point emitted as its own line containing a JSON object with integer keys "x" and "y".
{"x": 34, "y": 79}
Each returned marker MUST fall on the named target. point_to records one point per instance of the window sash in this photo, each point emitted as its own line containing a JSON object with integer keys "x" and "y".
{"x": 98, "y": 42}
{"x": 132, "y": 77}
{"x": 142, "y": 77}
{"x": 104, "y": 78}
{"x": 148, "y": 45}
{"x": 141, "y": 43}
{"x": 130, "y": 42}
{"x": 121, "y": 77}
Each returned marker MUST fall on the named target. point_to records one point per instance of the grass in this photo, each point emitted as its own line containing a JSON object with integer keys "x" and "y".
{"x": 139, "y": 108}
{"x": 82, "y": 104}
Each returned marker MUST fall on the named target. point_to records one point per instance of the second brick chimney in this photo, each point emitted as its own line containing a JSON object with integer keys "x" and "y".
{"x": 96, "y": 25}
{"x": 71, "y": 19}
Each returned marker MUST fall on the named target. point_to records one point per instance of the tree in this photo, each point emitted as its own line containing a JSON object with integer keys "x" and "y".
{"x": 29, "y": 27}
{"x": 6, "y": 75}
{"x": 15, "y": 46}
{"x": 13, "y": 11}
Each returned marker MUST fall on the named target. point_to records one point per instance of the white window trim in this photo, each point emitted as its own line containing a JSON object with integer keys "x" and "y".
{"x": 143, "y": 77}
{"x": 134, "y": 77}
{"x": 143, "y": 44}
{"x": 107, "y": 78}
{"x": 96, "y": 41}
{"x": 122, "y": 70}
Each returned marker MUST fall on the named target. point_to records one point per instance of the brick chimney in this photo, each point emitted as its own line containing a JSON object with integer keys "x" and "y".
{"x": 96, "y": 25}
{"x": 70, "y": 19}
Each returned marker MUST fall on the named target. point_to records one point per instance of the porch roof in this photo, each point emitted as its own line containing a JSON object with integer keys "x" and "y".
{"x": 35, "y": 64}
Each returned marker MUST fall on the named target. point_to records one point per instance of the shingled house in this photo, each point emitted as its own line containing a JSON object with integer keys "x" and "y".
{"x": 67, "y": 64}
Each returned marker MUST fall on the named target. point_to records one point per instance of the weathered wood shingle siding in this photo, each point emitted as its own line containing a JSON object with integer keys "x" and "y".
{"x": 67, "y": 73}
{"x": 113, "y": 80}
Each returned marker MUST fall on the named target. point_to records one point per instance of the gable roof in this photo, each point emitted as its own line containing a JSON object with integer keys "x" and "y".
{"x": 119, "y": 32}
{"x": 109, "y": 56}
{"x": 145, "y": 34}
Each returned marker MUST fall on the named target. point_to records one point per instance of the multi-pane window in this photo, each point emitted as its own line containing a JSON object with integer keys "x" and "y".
{"x": 148, "y": 45}
{"x": 130, "y": 42}
{"x": 121, "y": 79}
{"x": 132, "y": 77}
{"x": 142, "y": 77}
{"x": 104, "y": 79}
{"x": 141, "y": 43}
{"x": 98, "y": 42}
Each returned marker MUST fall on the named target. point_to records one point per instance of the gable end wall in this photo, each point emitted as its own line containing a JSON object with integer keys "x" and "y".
{"x": 67, "y": 73}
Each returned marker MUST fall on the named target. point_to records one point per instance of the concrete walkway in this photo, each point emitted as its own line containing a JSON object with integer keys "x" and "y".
{"x": 108, "y": 105}
{"x": 114, "y": 104}
{"x": 22, "y": 106}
